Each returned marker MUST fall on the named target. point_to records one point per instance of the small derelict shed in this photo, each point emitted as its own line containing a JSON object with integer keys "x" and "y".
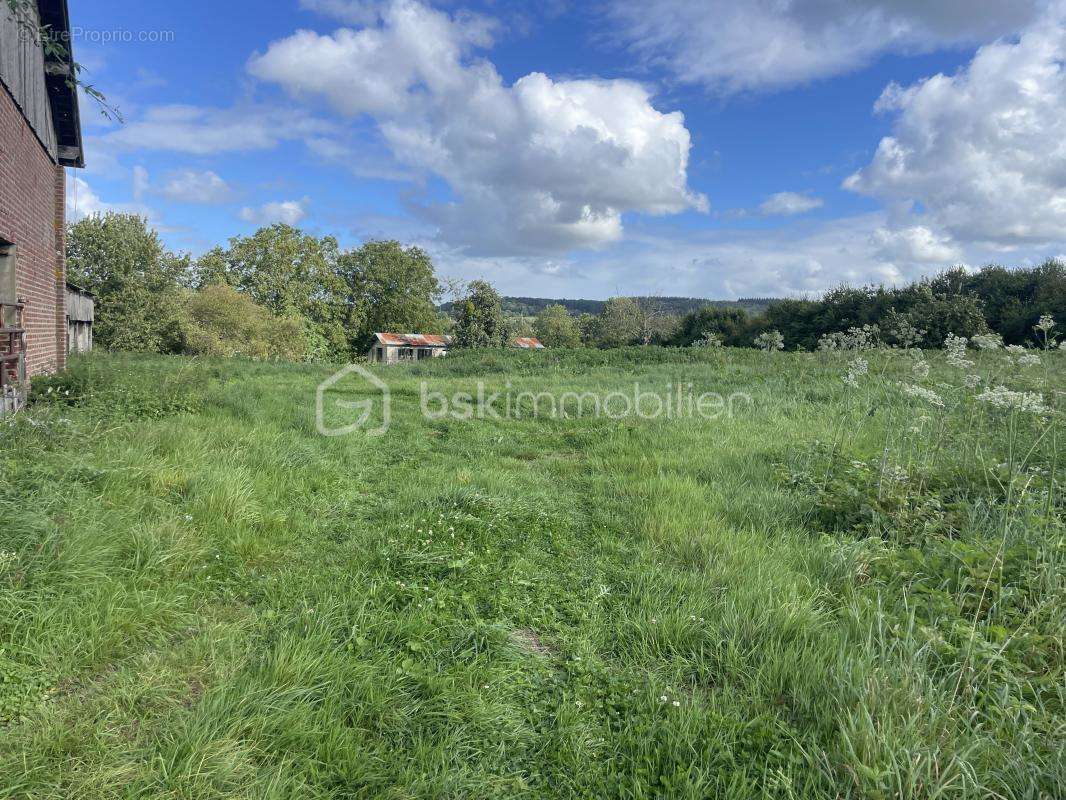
{"x": 392, "y": 348}
{"x": 81, "y": 310}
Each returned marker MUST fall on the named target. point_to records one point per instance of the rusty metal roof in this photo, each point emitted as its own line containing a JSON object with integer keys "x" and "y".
{"x": 528, "y": 343}
{"x": 413, "y": 340}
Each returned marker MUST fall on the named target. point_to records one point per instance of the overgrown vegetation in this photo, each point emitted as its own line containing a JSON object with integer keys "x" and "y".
{"x": 852, "y": 588}
{"x": 332, "y": 302}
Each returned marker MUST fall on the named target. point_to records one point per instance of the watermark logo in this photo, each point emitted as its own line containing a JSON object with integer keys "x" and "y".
{"x": 336, "y": 415}
{"x": 670, "y": 402}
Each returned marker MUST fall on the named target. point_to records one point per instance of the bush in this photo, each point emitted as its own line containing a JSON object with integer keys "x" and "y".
{"x": 220, "y": 321}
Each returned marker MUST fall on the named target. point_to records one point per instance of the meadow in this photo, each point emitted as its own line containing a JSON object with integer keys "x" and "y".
{"x": 852, "y": 586}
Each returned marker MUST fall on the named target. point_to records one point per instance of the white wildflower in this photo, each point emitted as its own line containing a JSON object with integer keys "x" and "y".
{"x": 709, "y": 340}
{"x": 770, "y": 341}
{"x": 1002, "y": 397}
{"x": 1046, "y": 323}
{"x": 1015, "y": 349}
{"x": 972, "y": 381}
{"x": 1028, "y": 360}
{"x": 987, "y": 341}
{"x": 896, "y": 474}
{"x": 858, "y": 368}
{"x": 921, "y": 369}
{"x": 955, "y": 347}
{"x": 865, "y": 338}
{"x": 928, "y": 395}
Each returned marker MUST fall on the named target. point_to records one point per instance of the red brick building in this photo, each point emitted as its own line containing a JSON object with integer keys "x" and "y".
{"x": 40, "y": 135}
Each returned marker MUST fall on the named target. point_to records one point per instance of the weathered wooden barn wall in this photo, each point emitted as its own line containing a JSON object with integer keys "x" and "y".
{"x": 81, "y": 312}
{"x": 22, "y": 73}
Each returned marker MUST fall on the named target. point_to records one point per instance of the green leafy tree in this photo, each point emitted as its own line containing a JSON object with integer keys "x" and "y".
{"x": 589, "y": 326}
{"x": 389, "y": 288}
{"x": 621, "y": 322}
{"x": 556, "y": 328}
{"x": 940, "y": 314}
{"x": 220, "y": 321}
{"x": 289, "y": 273}
{"x": 479, "y": 317}
{"x": 733, "y": 326}
{"x": 122, "y": 262}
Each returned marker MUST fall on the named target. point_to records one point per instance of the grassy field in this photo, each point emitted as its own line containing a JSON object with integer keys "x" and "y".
{"x": 834, "y": 592}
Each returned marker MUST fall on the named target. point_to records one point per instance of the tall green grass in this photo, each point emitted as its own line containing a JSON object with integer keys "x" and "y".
{"x": 822, "y": 596}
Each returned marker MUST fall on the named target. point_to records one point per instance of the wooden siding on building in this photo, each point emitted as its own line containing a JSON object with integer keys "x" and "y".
{"x": 22, "y": 73}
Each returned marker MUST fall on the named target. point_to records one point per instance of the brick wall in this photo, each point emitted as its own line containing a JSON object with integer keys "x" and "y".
{"x": 32, "y": 198}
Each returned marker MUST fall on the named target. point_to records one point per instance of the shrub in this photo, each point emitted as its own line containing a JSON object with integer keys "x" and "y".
{"x": 220, "y": 321}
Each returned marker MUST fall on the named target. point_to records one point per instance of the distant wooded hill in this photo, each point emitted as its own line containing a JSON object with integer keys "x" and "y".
{"x": 530, "y": 306}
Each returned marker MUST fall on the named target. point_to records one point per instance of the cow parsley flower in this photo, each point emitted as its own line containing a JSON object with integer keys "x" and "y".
{"x": 971, "y": 381}
{"x": 955, "y": 347}
{"x": 921, "y": 369}
{"x": 987, "y": 341}
{"x": 1028, "y": 360}
{"x": 1046, "y": 323}
{"x": 1002, "y": 397}
{"x": 770, "y": 341}
{"x": 856, "y": 369}
{"x": 928, "y": 395}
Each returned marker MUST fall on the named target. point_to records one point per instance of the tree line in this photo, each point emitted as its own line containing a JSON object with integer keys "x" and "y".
{"x": 284, "y": 294}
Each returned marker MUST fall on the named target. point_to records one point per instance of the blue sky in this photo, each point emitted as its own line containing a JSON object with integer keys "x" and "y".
{"x": 565, "y": 149}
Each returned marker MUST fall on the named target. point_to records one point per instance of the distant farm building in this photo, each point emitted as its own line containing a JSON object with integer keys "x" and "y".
{"x": 81, "y": 309}
{"x": 40, "y": 135}
{"x": 395, "y": 348}
{"x": 392, "y": 348}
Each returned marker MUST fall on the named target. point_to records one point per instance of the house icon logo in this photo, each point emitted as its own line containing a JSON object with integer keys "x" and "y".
{"x": 338, "y": 414}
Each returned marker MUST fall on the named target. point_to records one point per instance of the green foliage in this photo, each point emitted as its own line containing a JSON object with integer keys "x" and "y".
{"x": 289, "y": 273}
{"x": 1013, "y": 300}
{"x": 222, "y": 322}
{"x": 556, "y": 328}
{"x": 1008, "y": 302}
{"x": 620, "y": 322}
{"x": 123, "y": 387}
{"x": 389, "y": 288}
{"x": 479, "y": 320}
{"x": 589, "y": 326}
{"x": 732, "y": 326}
{"x": 134, "y": 279}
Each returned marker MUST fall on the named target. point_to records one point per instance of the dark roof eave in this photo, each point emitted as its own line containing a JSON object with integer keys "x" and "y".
{"x": 62, "y": 89}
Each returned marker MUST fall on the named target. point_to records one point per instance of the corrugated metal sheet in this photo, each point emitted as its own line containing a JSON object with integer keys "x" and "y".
{"x": 22, "y": 72}
{"x": 413, "y": 340}
{"x": 528, "y": 343}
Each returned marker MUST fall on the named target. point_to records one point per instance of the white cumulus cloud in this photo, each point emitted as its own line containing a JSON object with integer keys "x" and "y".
{"x": 732, "y": 46}
{"x": 981, "y": 154}
{"x": 289, "y": 212}
{"x": 539, "y": 166}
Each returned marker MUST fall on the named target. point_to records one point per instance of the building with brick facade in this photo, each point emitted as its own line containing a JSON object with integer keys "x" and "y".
{"x": 40, "y": 136}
